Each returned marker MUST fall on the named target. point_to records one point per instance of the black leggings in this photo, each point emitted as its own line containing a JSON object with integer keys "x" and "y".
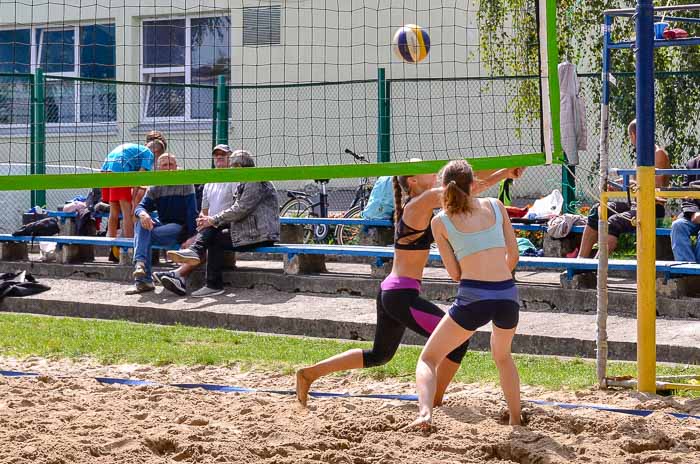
{"x": 396, "y": 311}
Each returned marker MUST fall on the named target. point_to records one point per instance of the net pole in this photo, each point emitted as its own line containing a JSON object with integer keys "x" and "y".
{"x": 222, "y": 111}
{"x": 602, "y": 284}
{"x": 549, "y": 82}
{"x": 39, "y": 165}
{"x": 646, "y": 217}
{"x": 384, "y": 122}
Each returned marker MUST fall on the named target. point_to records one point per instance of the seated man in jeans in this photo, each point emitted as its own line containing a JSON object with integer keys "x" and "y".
{"x": 688, "y": 223}
{"x": 253, "y": 221}
{"x": 177, "y": 214}
{"x": 622, "y": 215}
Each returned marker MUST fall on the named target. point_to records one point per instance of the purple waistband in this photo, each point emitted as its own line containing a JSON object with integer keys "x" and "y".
{"x": 400, "y": 283}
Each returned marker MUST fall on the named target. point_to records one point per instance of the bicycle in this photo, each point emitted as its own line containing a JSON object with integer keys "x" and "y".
{"x": 300, "y": 205}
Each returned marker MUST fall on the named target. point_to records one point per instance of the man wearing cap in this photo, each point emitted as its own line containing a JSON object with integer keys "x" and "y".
{"x": 216, "y": 197}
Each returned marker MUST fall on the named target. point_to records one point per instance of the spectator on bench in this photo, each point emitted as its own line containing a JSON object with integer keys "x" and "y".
{"x": 140, "y": 191}
{"x": 216, "y": 197}
{"x": 252, "y": 221}
{"x": 177, "y": 214}
{"x": 688, "y": 223}
{"x": 622, "y": 215}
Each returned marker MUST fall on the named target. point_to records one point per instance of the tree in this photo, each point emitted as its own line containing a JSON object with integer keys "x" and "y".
{"x": 509, "y": 46}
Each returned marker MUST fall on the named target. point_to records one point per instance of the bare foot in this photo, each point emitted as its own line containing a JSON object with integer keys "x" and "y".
{"x": 303, "y": 385}
{"x": 421, "y": 424}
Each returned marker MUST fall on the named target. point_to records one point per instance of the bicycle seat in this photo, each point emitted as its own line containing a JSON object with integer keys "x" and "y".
{"x": 295, "y": 194}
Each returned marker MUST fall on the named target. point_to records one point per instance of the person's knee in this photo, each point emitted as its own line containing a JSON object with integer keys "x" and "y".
{"x": 375, "y": 358}
{"x": 500, "y": 356}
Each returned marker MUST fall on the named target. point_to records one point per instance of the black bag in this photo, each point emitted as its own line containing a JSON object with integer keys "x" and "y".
{"x": 20, "y": 284}
{"x": 85, "y": 223}
{"x": 43, "y": 227}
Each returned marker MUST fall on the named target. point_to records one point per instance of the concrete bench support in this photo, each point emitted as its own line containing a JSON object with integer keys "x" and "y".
{"x": 678, "y": 287}
{"x": 377, "y": 236}
{"x": 71, "y": 254}
{"x": 381, "y": 268}
{"x": 663, "y": 248}
{"x": 304, "y": 264}
{"x": 291, "y": 233}
{"x": 10, "y": 251}
{"x": 560, "y": 247}
{"x": 580, "y": 281}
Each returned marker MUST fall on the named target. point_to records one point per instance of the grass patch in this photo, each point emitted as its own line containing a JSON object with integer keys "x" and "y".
{"x": 115, "y": 342}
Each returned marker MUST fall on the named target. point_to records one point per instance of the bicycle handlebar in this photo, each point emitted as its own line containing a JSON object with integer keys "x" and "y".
{"x": 356, "y": 156}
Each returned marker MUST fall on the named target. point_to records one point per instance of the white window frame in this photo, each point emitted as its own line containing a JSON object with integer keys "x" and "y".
{"x": 35, "y": 58}
{"x": 186, "y": 70}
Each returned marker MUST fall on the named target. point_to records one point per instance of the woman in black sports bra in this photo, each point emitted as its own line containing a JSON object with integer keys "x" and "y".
{"x": 399, "y": 304}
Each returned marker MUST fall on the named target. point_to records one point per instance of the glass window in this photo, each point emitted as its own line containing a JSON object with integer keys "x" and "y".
{"x": 98, "y": 51}
{"x": 14, "y": 100}
{"x": 57, "y": 51}
{"x": 60, "y": 101}
{"x": 15, "y": 51}
{"x": 164, "y": 43}
{"x": 211, "y": 57}
{"x": 165, "y": 101}
{"x": 98, "y": 102}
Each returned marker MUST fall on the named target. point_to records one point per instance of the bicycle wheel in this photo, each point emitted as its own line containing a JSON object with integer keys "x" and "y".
{"x": 350, "y": 235}
{"x": 300, "y": 208}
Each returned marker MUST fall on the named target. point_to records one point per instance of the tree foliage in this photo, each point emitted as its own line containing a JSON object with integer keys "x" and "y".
{"x": 509, "y": 47}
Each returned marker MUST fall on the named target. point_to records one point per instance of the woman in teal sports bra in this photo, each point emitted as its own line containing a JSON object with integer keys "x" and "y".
{"x": 479, "y": 250}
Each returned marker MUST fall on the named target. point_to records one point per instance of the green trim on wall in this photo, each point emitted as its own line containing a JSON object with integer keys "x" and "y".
{"x": 203, "y": 176}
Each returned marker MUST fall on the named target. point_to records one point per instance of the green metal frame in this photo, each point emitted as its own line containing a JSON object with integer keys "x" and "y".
{"x": 38, "y": 136}
{"x": 384, "y": 119}
{"x": 202, "y": 176}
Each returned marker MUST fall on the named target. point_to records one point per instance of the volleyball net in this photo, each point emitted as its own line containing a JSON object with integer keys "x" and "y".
{"x": 295, "y": 83}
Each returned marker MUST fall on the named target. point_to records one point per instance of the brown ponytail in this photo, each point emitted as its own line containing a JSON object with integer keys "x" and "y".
{"x": 457, "y": 178}
{"x": 400, "y": 184}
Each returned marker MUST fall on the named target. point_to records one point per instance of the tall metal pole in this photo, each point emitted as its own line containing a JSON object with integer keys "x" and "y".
{"x": 602, "y": 287}
{"x": 646, "y": 218}
{"x": 39, "y": 141}
{"x": 384, "y": 118}
{"x": 222, "y": 111}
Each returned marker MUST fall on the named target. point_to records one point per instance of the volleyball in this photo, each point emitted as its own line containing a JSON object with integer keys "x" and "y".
{"x": 411, "y": 43}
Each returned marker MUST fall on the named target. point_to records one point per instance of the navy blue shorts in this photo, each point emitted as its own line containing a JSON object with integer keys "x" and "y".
{"x": 479, "y": 303}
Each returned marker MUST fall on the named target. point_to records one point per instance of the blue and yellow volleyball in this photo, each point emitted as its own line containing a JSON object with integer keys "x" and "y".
{"x": 411, "y": 43}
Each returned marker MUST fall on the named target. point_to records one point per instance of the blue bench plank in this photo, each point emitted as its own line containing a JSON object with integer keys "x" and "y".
{"x": 76, "y": 240}
{"x": 337, "y": 221}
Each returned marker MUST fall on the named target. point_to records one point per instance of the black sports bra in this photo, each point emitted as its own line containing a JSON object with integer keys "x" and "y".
{"x": 422, "y": 241}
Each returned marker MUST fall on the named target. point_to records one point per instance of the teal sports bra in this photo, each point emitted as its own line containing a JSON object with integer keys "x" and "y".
{"x": 468, "y": 243}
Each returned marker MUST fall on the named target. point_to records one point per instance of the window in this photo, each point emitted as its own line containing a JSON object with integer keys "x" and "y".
{"x": 63, "y": 53}
{"x": 183, "y": 51}
{"x": 261, "y": 26}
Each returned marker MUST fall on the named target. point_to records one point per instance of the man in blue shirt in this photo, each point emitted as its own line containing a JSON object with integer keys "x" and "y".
{"x": 175, "y": 223}
{"x": 128, "y": 157}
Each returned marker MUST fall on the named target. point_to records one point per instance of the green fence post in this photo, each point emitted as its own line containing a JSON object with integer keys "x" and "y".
{"x": 384, "y": 123}
{"x": 38, "y": 135}
{"x": 568, "y": 183}
{"x": 222, "y": 111}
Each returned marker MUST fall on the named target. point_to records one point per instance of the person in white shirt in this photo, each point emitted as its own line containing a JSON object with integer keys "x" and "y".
{"x": 216, "y": 197}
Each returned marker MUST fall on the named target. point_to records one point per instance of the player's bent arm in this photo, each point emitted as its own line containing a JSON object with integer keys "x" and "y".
{"x": 449, "y": 260}
{"x": 512, "y": 253}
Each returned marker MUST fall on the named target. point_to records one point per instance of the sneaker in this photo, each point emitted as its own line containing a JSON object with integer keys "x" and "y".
{"x": 206, "y": 291}
{"x": 139, "y": 270}
{"x": 141, "y": 287}
{"x": 185, "y": 256}
{"x": 174, "y": 283}
{"x": 157, "y": 276}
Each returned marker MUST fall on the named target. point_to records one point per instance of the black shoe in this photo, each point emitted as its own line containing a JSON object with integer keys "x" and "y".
{"x": 157, "y": 276}
{"x": 174, "y": 283}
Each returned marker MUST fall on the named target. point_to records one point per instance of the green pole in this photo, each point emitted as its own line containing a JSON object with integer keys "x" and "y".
{"x": 384, "y": 127}
{"x": 568, "y": 181}
{"x": 214, "y": 119}
{"x": 222, "y": 111}
{"x": 38, "y": 142}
